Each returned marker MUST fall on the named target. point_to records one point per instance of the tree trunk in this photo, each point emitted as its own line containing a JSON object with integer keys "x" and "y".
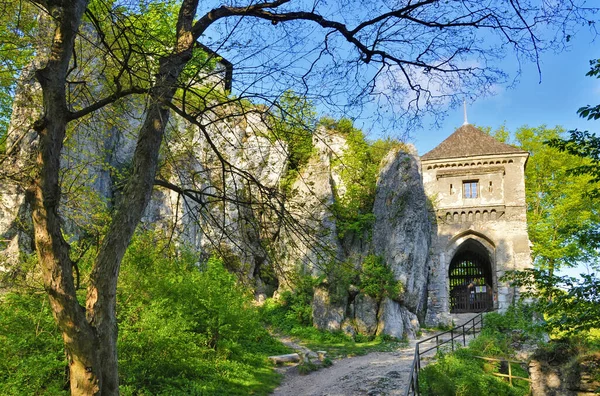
{"x": 53, "y": 251}
{"x": 91, "y": 337}
{"x": 101, "y": 296}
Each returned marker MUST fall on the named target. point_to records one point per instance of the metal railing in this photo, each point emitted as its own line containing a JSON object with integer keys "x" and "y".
{"x": 472, "y": 326}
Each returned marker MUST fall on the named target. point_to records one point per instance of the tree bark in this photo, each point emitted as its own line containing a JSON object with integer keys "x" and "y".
{"x": 90, "y": 337}
{"x": 101, "y": 294}
{"x": 53, "y": 251}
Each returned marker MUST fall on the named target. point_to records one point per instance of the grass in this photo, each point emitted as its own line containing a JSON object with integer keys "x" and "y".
{"x": 462, "y": 373}
{"x": 282, "y": 321}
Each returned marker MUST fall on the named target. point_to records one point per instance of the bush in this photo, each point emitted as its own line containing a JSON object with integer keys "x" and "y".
{"x": 460, "y": 373}
{"x": 377, "y": 279}
{"x": 32, "y": 358}
{"x": 184, "y": 329}
{"x": 518, "y": 317}
{"x": 188, "y": 330}
{"x": 358, "y": 168}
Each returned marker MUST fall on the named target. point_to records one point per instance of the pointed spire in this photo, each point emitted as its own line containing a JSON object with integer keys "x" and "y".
{"x": 465, "y": 111}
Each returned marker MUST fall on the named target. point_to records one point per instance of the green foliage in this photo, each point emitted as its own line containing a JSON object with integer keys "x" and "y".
{"x": 293, "y": 121}
{"x": 562, "y": 216}
{"x": 570, "y": 305}
{"x": 501, "y": 133}
{"x": 139, "y": 36}
{"x": 292, "y": 315}
{"x": 339, "y": 276}
{"x": 520, "y": 319}
{"x": 32, "y": 359}
{"x": 185, "y": 330}
{"x": 296, "y": 305}
{"x": 358, "y": 168}
{"x": 461, "y": 373}
{"x": 372, "y": 277}
{"x": 377, "y": 279}
{"x": 336, "y": 343}
{"x": 18, "y": 21}
{"x": 591, "y": 112}
{"x": 307, "y": 367}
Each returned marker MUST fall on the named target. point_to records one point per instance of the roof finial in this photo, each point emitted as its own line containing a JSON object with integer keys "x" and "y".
{"x": 465, "y": 110}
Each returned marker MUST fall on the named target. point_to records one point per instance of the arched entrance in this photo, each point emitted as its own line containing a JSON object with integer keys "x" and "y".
{"x": 470, "y": 278}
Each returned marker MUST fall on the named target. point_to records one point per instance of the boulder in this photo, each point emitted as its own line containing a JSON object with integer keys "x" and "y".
{"x": 326, "y": 316}
{"x": 365, "y": 314}
{"x": 348, "y": 328}
{"x": 396, "y": 320}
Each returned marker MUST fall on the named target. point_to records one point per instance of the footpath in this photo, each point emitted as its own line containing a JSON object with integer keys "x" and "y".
{"x": 374, "y": 374}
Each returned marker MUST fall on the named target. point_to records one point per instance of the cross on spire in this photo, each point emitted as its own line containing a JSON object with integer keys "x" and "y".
{"x": 465, "y": 111}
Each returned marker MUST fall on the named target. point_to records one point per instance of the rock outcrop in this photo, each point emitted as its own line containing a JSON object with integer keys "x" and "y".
{"x": 233, "y": 204}
{"x": 401, "y": 233}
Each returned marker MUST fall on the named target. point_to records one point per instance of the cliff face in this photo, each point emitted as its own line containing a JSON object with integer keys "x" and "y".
{"x": 401, "y": 234}
{"x": 230, "y": 201}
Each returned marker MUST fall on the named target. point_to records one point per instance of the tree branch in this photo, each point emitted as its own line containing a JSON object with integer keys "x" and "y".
{"x": 73, "y": 115}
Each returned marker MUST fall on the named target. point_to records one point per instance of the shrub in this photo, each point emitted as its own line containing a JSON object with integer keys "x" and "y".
{"x": 186, "y": 329}
{"x": 377, "y": 279}
{"x": 460, "y": 373}
{"x": 358, "y": 168}
{"x": 32, "y": 358}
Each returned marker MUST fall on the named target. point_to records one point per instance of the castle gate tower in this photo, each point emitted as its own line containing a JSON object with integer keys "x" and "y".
{"x": 476, "y": 185}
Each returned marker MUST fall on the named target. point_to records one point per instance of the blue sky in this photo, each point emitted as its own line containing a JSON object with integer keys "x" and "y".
{"x": 563, "y": 89}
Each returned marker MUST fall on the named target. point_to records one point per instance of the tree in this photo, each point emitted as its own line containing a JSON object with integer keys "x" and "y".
{"x": 583, "y": 143}
{"x": 561, "y": 214}
{"x": 415, "y": 53}
{"x": 569, "y": 305}
{"x": 16, "y": 44}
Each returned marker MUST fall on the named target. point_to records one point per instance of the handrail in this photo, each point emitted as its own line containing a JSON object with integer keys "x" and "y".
{"x": 509, "y": 375}
{"x": 413, "y": 381}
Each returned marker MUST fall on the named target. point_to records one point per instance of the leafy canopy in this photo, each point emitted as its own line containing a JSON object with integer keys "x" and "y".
{"x": 563, "y": 218}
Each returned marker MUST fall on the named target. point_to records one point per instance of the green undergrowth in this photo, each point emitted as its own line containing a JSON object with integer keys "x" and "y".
{"x": 282, "y": 318}
{"x": 461, "y": 373}
{"x": 185, "y": 328}
{"x": 32, "y": 360}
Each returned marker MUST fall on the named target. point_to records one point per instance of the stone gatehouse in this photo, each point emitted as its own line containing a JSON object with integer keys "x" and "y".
{"x": 476, "y": 185}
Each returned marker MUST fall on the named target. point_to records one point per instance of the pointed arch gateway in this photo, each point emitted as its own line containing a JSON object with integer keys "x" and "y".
{"x": 470, "y": 276}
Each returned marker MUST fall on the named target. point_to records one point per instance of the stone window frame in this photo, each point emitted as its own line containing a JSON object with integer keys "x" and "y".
{"x": 473, "y": 193}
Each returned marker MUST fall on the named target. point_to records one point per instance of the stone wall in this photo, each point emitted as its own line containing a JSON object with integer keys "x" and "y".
{"x": 496, "y": 221}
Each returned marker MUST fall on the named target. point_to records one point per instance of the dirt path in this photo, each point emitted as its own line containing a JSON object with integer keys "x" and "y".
{"x": 378, "y": 373}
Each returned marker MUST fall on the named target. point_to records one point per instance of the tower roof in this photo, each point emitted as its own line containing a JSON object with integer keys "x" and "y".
{"x": 468, "y": 141}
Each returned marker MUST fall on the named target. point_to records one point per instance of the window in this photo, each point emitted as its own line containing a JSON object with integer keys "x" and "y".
{"x": 470, "y": 189}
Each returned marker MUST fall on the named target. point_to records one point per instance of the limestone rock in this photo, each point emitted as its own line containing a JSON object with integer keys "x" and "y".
{"x": 314, "y": 239}
{"x": 326, "y": 316}
{"x": 348, "y": 328}
{"x": 365, "y": 314}
{"x": 396, "y": 320}
{"x": 390, "y": 319}
{"x": 402, "y": 230}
